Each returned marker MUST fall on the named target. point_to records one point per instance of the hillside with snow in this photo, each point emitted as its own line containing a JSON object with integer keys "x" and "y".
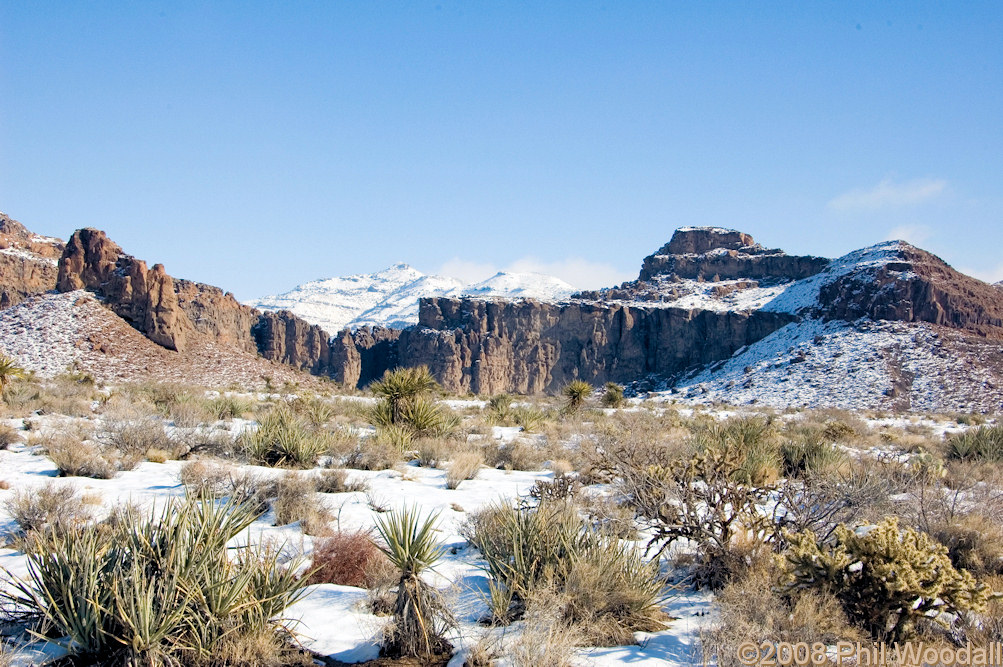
{"x": 390, "y": 297}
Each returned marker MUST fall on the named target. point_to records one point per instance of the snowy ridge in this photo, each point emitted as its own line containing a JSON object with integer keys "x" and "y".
{"x": 390, "y": 297}
{"x": 804, "y": 294}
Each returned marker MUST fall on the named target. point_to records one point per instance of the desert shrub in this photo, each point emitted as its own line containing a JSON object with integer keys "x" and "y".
{"x": 528, "y": 417}
{"x": 464, "y": 466}
{"x": 603, "y": 584}
{"x": 612, "y": 395}
{"x": 8, "y": 436}
{"x": 155, "y": 590}
{"x": 211, "y": 479}
{"x": 886, "y": 578}
{"x": 50, "y": 507}
{"x": 698, "y": 499}
{"x": 983, "y": 443}
{"x": 561, "y": 487}
{"x": 296, "y": 500}
{"x": 229, "y": 406}
{"x": 432, "y": 452}
{"x": 334, "y": 480}
{"x": 81, "y": 458}
{"x": 133, "y": 439}
{"x": 282, "y": 439}
{"x": 811, "y": 452}
{"x": 752, "y": 608}
{"x": 348, "y": 559}
{"x": 420, "y": 618}
{"x": 379, "y": 452}
{"x": 547, "y": 638}
{"x": 974, "y": 542}
{"x": 575, "y": 394}
{"x": 499, "y": 409}
{"x": 515, "y": 455}
{"x": 21, "y": 394}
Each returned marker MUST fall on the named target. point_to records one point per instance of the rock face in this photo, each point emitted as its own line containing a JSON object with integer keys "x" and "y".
{"x": 143, "y": 297}
{"x": 28, "y": 262}
{"x": 914, "y": 286}
{"x": 725, "y": 254}
{"x": 169, "y": 311}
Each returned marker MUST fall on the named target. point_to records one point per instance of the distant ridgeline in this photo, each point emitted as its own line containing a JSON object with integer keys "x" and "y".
{"x": 699, "y": 299}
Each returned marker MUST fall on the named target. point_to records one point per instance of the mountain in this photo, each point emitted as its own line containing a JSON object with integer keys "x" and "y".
{"x": 712, "y": 317}
{"x": 390, "y": 297}
{"x": 28, "y": 262}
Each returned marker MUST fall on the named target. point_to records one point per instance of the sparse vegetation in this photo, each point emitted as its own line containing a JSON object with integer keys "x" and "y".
{"x": 576, "y": 393}
{"x": 349, "y": 559}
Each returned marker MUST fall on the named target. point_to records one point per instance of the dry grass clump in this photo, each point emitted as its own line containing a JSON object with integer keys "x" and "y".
{"x": 974, "y": 542}
{"x": 51, "y": 507}
{"x": 519, "y": 454}
{"x": 381, "y": 451}
{"x": 284, "y": 439}
{"x": 334, "y": 480}
{"x": 212, "y": 479}
{"x": 297, "y": 501}
{"x": 464, "y": 466}
{"x": 753, "y": 610}
{"x": 9, "y": 436}
{"x": 349, "y": 559}
{"x": 604, "y": 587}
{"x": 546, "y": 638}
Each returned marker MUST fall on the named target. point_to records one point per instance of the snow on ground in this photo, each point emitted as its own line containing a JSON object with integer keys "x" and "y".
{"x": 854, "y": 366}
{"x": 333, "y": 620}
{"x": 390, "y": 297}
{"x": 41, "y": 333}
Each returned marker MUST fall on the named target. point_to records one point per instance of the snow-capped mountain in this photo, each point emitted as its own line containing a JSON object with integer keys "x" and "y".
{"x": 390, "y": 297}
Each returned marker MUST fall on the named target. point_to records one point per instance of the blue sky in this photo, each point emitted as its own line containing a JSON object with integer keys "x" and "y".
{"x": 256, "y": 146}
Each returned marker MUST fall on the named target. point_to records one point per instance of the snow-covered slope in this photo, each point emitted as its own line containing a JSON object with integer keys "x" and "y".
{"x": 390, "y": 297}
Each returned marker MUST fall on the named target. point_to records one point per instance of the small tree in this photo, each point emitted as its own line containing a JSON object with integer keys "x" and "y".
{"x": 420, "y": 616}
{"x": 400, "y": 387}
{"x": 576, "y": 392}
{"x": 886, "y": 577}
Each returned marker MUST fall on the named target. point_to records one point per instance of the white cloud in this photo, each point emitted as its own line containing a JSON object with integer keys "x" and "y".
{"x": 580, "y": 273}
{"x": 467, "y": 271}
{"x": 914, "y": 234}
{"x": 889, "y": 194}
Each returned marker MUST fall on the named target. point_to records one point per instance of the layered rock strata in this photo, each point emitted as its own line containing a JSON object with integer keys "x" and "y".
{"x": 28, "y": 262}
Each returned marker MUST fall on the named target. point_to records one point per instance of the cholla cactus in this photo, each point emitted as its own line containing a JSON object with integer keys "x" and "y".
{"x": 886, "y": 577}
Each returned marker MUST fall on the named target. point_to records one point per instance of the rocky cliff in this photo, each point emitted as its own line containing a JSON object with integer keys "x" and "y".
{"x": 28, "y": 262}
{"x": 713, "y": 253}
{"x": 168, "y": 311}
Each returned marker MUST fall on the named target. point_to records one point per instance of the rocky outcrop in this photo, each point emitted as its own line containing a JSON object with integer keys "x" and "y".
{"x": 143, "y": 297}
{"x": 712, "y": 253}
{"x": 283, "y": 337}
{"x": 912, "y": 285}
{"x": 169, "y": 311}
{"x": 526, "y": 346}
{"x": 28, "y": 262}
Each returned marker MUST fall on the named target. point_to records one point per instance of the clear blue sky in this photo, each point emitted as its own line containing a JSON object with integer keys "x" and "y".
{"x": 257, "y": 145}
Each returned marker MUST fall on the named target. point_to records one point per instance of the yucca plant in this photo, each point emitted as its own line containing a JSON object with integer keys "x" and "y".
{"x": 9, "y": 371}
{"x": 576, "y": 393}
{"x": 401, "y": 386}
{"x": 153, "y": 590}
{"x": 421, "y": 618}
{"x": 528, "y": 417}
{"x": 500, "y": 409}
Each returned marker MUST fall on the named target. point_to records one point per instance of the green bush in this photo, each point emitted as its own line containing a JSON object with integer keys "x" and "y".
{"x": 157, "y": 590}
{"x": 283, "y": 439}
{"x": 612, "y": 395}
{"x": 984, "y": 443}
{"x": 886, "y": 578}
